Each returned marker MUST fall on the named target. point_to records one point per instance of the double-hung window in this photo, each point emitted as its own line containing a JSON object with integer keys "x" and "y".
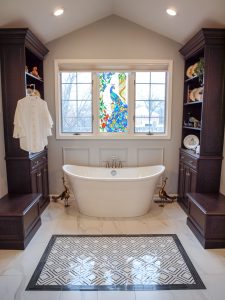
{"x": 113, "y": 100}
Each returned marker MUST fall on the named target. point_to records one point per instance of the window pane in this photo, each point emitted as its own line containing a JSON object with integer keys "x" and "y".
{"x": 69, "y": 91}
{"x": 76, "y": 108}
{"x": 77, "y": 125}
{"x": 113, "y": 102}
{"x": 67, "y": 77}
{"x": 149, "y": 125}
{"x": 158, "y": 77}
{"x": 142, "y": 109}
{"x": 142, "y": 91}
{"x": 158, "y": 92}
{"x": 76, "y": 102}
{"x": 84, "y": 91}
{"x": 143, "y": 77}
{"x": 83, "y": 77}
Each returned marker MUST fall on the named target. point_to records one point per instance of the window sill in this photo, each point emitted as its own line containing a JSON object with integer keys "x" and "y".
{"x": 113, "y": 137}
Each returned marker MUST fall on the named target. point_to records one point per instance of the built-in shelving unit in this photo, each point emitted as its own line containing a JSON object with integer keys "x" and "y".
{"x": 200, "y": 172}
{"x": 203, "y": 116}
{"x": 27, "y": 173}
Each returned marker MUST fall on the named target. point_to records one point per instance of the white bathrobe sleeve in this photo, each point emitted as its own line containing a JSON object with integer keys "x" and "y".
{"x": 18, "y": 131}
{"x": 49, "y": 122}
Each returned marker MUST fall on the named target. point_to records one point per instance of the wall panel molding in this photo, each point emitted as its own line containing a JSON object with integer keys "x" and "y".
{"x": 76, "y": 156}
{"x": 106, "y": 154}
{"x": 148, "y": 156}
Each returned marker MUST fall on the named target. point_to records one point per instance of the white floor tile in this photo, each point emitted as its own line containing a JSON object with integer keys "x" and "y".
{"x": 8, "y": 286}
{"x": 116, "y": 295}
{"x": 77, "y": 295}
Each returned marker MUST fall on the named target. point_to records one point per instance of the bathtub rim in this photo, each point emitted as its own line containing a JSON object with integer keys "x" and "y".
{"x": 144, "y": 178}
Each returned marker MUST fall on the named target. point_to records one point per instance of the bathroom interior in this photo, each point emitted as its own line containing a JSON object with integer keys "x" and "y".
{"x": 146, "y": 174}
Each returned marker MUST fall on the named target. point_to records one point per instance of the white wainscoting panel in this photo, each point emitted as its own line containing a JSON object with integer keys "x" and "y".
{"x": 76, "y": 156}
{"x": 106, "y": 154}
{"x": 150, "y": 156}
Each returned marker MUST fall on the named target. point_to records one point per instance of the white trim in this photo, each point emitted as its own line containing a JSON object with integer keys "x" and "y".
{"x": 104, "y": 64}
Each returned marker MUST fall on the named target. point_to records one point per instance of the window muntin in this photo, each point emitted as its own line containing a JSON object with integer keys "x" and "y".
{"x": 150, "y": 102}
{"x": 113, "y": 102}
{"x": 76, "y": 102}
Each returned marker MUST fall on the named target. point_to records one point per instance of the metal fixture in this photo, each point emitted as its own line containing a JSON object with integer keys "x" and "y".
{"x": 114, "y": 164}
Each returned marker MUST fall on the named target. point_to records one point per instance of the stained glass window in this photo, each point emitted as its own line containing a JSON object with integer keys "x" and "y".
{"x": 76, "y": 102}
{"x": 113, "y": 102}
{"x": 150, "y": 102}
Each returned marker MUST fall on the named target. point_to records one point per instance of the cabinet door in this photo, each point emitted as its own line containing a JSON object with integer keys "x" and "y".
{"x": 44, "y": 177}
{"x": 193, "y": 181}
{"x": 190, "y": 182}
{"x": 36, "y": 181}
{"x": 181, "y": 181}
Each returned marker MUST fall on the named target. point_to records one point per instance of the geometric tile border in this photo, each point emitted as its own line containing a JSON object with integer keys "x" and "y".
{"x": 115, "y": 262}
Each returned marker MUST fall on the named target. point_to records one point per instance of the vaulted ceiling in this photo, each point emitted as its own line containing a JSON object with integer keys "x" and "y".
{"x": 151, "y": 14}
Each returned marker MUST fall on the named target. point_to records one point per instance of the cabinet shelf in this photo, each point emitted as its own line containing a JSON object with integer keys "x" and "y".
{"x": 194, "y": 78}
{"x": 193, "y": 103}
{"x": 33, "y": 77}
{"x": 192, "y": 128}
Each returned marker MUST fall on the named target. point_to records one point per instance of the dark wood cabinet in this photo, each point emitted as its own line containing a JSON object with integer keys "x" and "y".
{"x": 20, "y": 52}
{"x": 203, "y": 113}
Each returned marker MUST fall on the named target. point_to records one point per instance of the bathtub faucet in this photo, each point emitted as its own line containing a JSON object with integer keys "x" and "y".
{"x": 114, "y": 163}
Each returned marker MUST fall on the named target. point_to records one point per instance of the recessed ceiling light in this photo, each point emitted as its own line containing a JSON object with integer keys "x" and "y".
{"x": 171, "y": 12}
{"x": 58, "y": 12}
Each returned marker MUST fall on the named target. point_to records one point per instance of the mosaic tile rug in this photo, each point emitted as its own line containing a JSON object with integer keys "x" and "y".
{"x": 115, "y": 262}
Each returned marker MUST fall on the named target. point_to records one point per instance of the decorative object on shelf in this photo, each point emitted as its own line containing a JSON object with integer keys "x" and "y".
{"x": 26, "y": 69}
{"x": 195, "y": 94}
{"x": 192, "y": 95}
{"x": 31, "y": 91}
{"x": 164, "y": 197}
{"x": 199, "y": 70}
{"x": 199, "y": 94}
{"x": 194, "y": 122}
{"x": 64, "y": 195}
{"x": 197, "y": 149}
{"x": 191, "y": 71}
{"x": 191, "y": 141}
{"x": 34, "y": 72}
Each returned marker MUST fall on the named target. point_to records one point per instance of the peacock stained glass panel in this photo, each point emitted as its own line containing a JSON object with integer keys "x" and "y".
{"x": 113, "y": 102}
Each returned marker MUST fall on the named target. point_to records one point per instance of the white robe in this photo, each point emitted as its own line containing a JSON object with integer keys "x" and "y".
{"x": 32, "y": 123}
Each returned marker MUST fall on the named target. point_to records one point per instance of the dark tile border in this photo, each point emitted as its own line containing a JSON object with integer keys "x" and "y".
{"x": 32, "y": 283}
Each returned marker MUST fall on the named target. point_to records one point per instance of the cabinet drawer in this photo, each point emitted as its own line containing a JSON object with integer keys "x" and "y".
{"x": 191, "y": 161}
{"x": 35, "y": 163}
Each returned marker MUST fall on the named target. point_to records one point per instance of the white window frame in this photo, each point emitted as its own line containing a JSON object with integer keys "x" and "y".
{"x": 103, "y": 65}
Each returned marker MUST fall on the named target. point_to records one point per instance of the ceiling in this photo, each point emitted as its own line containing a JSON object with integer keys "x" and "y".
{"x": 151, "y": 14}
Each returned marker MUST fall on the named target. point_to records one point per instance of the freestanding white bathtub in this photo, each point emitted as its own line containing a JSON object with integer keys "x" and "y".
{"x": 107, "y": 192}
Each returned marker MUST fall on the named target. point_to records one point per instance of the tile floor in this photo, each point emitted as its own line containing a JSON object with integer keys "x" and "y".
{"x": 17, "y": 267}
